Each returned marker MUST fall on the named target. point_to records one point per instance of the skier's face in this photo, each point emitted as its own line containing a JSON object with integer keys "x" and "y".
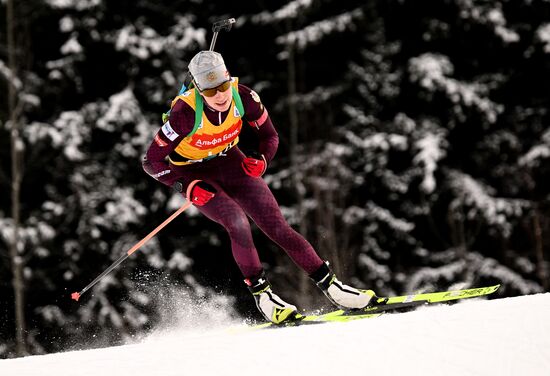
{"x": 220, "y": 101}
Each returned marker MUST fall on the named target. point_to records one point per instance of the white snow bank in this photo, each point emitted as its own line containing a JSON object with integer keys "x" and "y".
{"x": 497, "y": 337}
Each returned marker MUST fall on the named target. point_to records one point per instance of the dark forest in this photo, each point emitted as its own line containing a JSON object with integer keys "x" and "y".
{"x": 414, "y": 154}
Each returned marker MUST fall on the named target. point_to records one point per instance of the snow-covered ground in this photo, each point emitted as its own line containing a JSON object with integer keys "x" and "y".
{"x": 498, "y": 337}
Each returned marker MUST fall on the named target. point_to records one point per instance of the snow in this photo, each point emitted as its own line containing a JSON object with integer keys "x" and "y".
{"x": 144, "y": 42}
{"x": 433, "y": 72}
{"x": 543, "y": 34}
{"x": 496, "y": 17}
{"x": 68, "y": 132}
{"x": 490, "y": 15}
{"x": 6, "y": 72}
{"x": 538, "y": 153}
{"x": 496, "y": 211}
{"x": 289, "y": 11}
{"x": 496, "y": 337}
{"x": 66, "y": 24}
{"x": 140, "y": 43}
{"x": 73, "y": 4}
{"x": 314, "y": 33}
{"x": 123, "y": 108}
{"x": 71, "y": 46}
{"x": 430, "y": 152}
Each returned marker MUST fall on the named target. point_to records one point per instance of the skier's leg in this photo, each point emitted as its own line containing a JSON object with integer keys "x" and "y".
{"x": 260, "y": 204}
{"x": 254, "y": 196}
{"x": 225, "y": 211}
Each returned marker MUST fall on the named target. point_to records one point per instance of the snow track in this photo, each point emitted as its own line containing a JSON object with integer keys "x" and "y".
{"x": 498, "y": 337}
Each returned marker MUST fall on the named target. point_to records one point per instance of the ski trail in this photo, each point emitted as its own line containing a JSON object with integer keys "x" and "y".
{"x": 497, "y": 337}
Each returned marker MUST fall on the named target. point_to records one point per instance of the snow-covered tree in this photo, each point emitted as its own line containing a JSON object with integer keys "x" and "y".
{"x": 414, "y": 151}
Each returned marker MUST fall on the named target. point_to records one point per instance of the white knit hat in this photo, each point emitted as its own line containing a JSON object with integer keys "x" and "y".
{"x": 208, "y": 69}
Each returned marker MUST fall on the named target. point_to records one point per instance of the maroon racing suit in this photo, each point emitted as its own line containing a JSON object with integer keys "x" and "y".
{"x": 239, "y": 195}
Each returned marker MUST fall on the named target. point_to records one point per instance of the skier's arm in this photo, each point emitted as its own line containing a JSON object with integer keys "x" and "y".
{"x": 155, "y": 163}
{"x": 257, "y": 116}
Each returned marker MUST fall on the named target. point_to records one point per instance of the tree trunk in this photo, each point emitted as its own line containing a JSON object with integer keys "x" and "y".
{"x": 458, "y": 235}
{"x": 326, "y": 226}
{"x": 303, "y": 281}
{"x": 542, "y": 270}
{"x": 16, "y": 172}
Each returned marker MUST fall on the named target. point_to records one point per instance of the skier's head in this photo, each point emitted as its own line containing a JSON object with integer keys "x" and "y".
{"x": 208, "y": 70}
{"x": 212, "y": 79}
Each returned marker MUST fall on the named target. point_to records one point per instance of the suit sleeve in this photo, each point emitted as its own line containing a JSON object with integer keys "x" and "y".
{"x": 258, "y": 118}
{"x": 155, "y": 162}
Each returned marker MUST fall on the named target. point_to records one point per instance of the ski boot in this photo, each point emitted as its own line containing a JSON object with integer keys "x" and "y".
{"x": 272, "y": 307}
{"x": 343, "y": 296}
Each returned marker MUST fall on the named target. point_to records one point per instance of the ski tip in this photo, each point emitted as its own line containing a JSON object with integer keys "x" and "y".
{"x": 75, "y": 296}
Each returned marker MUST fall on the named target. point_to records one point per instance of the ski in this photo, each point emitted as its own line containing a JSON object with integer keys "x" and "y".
{"x": 344, "y": 315}
{"x": 443, "y": 296}
{"x": 403, "y": 303}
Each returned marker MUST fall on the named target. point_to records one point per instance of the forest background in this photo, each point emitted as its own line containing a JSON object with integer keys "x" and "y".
{"x": 414, "y": 150}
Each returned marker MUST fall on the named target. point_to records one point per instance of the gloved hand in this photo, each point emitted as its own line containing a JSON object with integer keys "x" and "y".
{"x": 254, "y": 164}
{"x": 200, "y": 194}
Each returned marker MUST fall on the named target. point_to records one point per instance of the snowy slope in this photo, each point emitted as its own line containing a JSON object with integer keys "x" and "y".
{"x": 499, "y": 337}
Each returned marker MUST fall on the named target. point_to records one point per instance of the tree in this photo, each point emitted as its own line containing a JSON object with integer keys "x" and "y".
{"x": 16, "y": 246}
{"x": 418, "y": 159}
{"x": 85, "y": 194}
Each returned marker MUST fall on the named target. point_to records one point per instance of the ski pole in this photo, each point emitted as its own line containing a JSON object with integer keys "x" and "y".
{"x": 77, "y": 295}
